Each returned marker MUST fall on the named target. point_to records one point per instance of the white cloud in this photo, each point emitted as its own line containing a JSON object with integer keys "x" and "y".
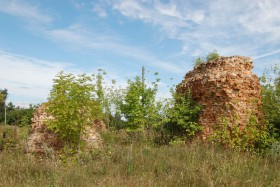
{"x": 24, "y": 11}
{"x": 242, "y": 25}
{"x": 267, "y": 54}
{"x": 26, "y": 77}
{"x": 233, "y": 27}
{"x": 99, "y": 11}
{"x": 170, "y": 17}
{"x": 80, "y": 38}
{"x": 262, "y": 17}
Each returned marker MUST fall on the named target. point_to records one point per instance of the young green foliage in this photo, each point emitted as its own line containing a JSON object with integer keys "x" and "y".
{"x": 114, "y": 97}
{"x": 101, "y": 97}
{"x": 271, "y": 95}
{"x": 198, "y": 61}
{"x": 139, "y": 106}
{"x": 19, "y": 116}
{"x": 182, "y": 115}
{"x": 133, "y": 107}
{"x": 253, "y": 137}
{"x": 210, "y": 56}
{"x": 3, "y": 98}
{"x": 72, "y": 105}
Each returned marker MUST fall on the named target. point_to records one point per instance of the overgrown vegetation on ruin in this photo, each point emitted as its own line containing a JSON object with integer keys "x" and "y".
{"x": 148, "y": 141}
{"x": 76, "y": 101}
{"x": 209, "y": 57}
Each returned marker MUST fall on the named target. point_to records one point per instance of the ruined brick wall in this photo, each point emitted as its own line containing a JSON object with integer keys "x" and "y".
{"x": 42, "y": 140}
{"x": 225, "y": 87}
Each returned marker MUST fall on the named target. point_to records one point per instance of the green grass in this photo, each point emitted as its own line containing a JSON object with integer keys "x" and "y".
{"x": 141, "y": 163}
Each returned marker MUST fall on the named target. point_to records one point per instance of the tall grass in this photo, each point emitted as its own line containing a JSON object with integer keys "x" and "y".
{"x": 135, "y": 162}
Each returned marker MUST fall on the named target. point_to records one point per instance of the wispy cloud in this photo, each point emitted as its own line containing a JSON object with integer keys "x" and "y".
{"x": 82, "y": 37}
{"x": 267, "y": 54}
{"x": 239, "y": 25}
{"x": 29, "y": 77}
{"x": 24, "y": 11}
{"x": 170, "y": 16}
{"x": 101, "y": 12}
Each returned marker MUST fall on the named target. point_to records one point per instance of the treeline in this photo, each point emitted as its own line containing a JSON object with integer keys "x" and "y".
{"x": 14, "y": 115}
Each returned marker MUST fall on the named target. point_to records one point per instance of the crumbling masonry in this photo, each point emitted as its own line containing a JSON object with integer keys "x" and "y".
{"x": 226, "y": 88}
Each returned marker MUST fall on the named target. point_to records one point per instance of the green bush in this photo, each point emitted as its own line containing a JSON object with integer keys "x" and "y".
{"x": 210, "y": 56}
{"x": 20, "y": 116}
{"x": 73, "y": 106}
{"x": 270, "y": 81}
{"x": 182, "y": 115}
{"x": 198, "y": 61}
{"x": 253, "y": 137}
{"x": 139, "y": 106}
{"x": 9, "y": 138}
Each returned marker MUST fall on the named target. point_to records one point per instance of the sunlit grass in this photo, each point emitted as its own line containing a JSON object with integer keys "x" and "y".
{"x": 141, "y": 163}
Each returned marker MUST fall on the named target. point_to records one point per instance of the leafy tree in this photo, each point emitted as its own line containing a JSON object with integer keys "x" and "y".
{"x": 19, "y": 116}
{"x": 3, "y": 97}
{"x": 139, "y": 106}
{"x": 109, "y": 99}
{"x": 114, "y": 97}
{"x": 72, "y": 105}
{"x": 103, "y": 99}
{"x": 182, "y": 114}
{"x": 99, "y": 87}
{"x": 271, "y": 95}
{"x": 10, "y": 106}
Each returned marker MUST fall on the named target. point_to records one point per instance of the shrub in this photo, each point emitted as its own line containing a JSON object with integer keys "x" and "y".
{"x": 182, "y": 115}
{"x": 210, "y": 56}
{"x": 139, "y": 106}
{"x": 271, "y": 95}
{"x": 72, "y": 105}
{"x": 254, "y": 137}
{"x": 198, "y": 61}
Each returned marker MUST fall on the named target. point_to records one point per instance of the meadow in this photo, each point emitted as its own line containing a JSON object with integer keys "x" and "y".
{"x": 136, "y": 160}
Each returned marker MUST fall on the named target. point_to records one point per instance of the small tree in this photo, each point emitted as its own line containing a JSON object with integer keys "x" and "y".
{"x": 4, "y": 95}
{"x": 72, "y": 105}
{"x": 182, "y": 114}
{"x": 18, "y": 115}
{"x": 271, "y": 95}
{"x": 1, "y": 98}
{"x": 139, "y": 106}
{"x": 114, "y": 96}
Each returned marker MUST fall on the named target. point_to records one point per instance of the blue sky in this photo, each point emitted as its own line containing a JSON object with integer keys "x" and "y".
{"x": 40, "y": 38}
